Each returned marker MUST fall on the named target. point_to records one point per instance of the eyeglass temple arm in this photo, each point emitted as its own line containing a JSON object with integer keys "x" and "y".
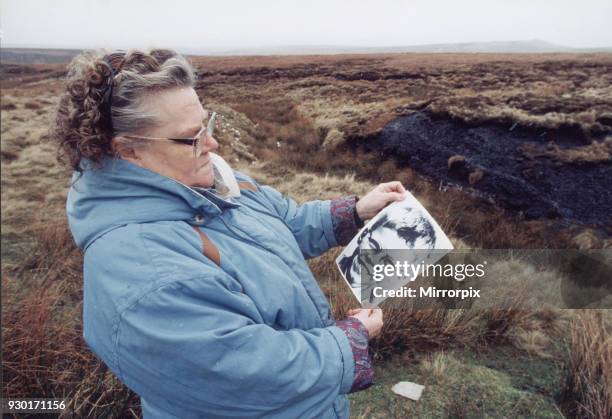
{"x": 209, "y": 128}
{"x": 211, "y": 124}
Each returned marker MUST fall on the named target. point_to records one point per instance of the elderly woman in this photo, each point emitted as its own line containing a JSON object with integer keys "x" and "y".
{"x": 196, "y": 290}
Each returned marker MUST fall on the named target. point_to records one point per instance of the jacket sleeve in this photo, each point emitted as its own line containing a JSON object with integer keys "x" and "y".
{"x": 358, "y": 336}
{"x": 316, "y": 225}
{"x": 201, "y": 343}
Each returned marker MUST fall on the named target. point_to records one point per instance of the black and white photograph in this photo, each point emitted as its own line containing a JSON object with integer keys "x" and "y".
{"x": 403, "y": 225}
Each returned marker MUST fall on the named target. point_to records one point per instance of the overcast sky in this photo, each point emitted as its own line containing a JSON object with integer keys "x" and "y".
{"x": 255, "y": 23}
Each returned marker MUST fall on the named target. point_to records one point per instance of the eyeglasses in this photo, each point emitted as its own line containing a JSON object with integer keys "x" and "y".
{"x": 196, "y": 142}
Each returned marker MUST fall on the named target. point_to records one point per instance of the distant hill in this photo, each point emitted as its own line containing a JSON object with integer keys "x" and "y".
{"x": 532, "y": 46}
{"x": 37, "y": 55}
{"x": 48, "y": 56}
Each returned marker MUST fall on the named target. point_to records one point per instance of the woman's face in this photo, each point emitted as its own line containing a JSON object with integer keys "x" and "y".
{"x": 181, "y": 115}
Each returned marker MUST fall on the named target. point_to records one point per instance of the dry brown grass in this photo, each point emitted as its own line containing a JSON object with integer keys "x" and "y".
{"x": 350, "y": 110}
{"x": 44, "y": 354}
{"x": 318, "y": 109}
{"x": 476, "y": 176}
{"x": 358, "y": 94}
{"x": 435, "y": 364}
{"x": 43, "y": 351}
{"x": 411, "y": 331}
{"x": 407, "y": 330}
{"x": 32, "y": 104}
{"x": 588, "y": 390}
{"x": 594, "y": 153}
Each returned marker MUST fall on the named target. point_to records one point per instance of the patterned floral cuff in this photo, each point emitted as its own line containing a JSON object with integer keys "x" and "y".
{"x": 358, "y": 335}
{"x": 344, "y": 218}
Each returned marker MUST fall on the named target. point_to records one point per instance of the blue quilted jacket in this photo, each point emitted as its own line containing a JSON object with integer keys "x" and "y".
{"x": 204, "y": 306}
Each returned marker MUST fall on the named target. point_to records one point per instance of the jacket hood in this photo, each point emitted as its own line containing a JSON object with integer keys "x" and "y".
{"x": 121, "y": 193}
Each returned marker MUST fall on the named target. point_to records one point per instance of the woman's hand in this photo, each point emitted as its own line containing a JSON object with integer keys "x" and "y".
{"x": 378, "y": 198}
{"x": 372, "y": 319}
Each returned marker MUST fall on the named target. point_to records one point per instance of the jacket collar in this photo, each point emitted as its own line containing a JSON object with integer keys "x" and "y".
{"x": 121, "y": 193}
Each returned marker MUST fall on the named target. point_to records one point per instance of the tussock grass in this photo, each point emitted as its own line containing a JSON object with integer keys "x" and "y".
{"x": 406, "y": 329}
{"x": 32, "y": 104}
{"x": 357, "y": 95}
{"x": 299, "y": 131}
{"x": 582, "y": 123}
{"x": 436, "y": 364}
{"x": 44, "y": 354}
{"x": 7, "y": 103}
{"x": 533, "y": 342}
{"x": 588, "y": 384}
{"x": 460, "y": 214}
{"x": 594, "y": 153}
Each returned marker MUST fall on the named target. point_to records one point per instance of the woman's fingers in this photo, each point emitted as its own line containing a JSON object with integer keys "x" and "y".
{"x": 395, "y": 186}
{"x": 378, "y": 198}
{"x": 369, "y": 311}
{"x": 395, "y": 196}
{"x": 393, "y": 191}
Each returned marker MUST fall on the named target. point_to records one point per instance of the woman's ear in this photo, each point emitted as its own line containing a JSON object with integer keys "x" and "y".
{"x": 123, "y": 150}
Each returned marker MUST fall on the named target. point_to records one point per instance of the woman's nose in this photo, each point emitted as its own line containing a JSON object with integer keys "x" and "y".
{"x": 210, "y": 144}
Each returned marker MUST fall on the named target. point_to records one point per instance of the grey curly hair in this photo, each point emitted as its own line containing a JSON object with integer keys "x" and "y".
{"x": 85, "y": 124}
